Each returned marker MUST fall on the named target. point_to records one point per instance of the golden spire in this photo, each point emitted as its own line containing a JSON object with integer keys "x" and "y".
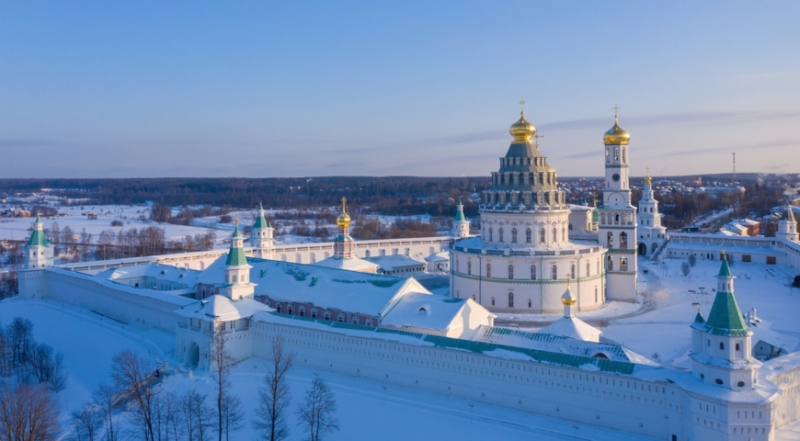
{"x": 522, "y": 130}
{"x": 343, "y": 221}
{"x": 568, "y": 299}
{"x": 616, "y": 135}
{"x": 647, "y": 179}
{"x": 237, "y": 222}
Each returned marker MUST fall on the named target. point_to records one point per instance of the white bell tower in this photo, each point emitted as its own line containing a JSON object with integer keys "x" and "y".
{"x": 460, "y": 223}
{"x": 617, "y": 226}
{"x": 787, "y": 227}
{"x": 261, "y": 235}
{"x": 651, "y": 235}
{"x": 237, "y": 285}
{"x": 39, "y": 250}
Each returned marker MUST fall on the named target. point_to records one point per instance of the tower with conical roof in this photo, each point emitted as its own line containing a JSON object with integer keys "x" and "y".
{"x": 460, "y": 223}
{"x": 721, "y": 346}
{"x": 39, "y": 250}
{"x": 237, "y": 285}
{"x": 787, "y": 227}
{"x": 261, "y": 235}
{"x": 650, "y": 232}
{"x": 343, "y": 246}
{"x": 617, "y": 228}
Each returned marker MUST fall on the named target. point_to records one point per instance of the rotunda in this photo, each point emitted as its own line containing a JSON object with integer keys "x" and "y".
{"x": 523, "y": 259}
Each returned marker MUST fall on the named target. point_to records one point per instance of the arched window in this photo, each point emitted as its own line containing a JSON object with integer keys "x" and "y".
{"x": 616, "y": 154}
{"x": 555, "y": 235}
{"x": 572, "y": 271}
{"x": 598, "y": 266}
{"x": 721, "y": 345}
{"x": 623, "y": 240}
{"x": 623, "y": 155}
{"x": 588, "y": 273}
{"x": 457, "y": 262}
{"x": 610, "y": 264}
{"x": 528, "y": 236}
{"x": 610, "y": 239}
{"x": 533, "y": 272}
{"x": 492, "y": 301}
{"x": 513, "y": 235}
{"x": 500, "y": 235}
{"x": 554, "y": 273}
{"x": 490, "y": 234}
{"x": 563, "y": 234}
{"x": 469, "y": 268}
{"x": 511, "y": 300}
{"x": 488, "y": 270}
{"x": 327, "y": 315}
{"x": 511, "y": 272}
{"x": 616, "y": 218}
{"x": 541, "y": 236}
{"x": 595, "y": 295}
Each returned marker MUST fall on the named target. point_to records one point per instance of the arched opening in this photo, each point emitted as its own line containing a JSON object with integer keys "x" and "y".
{"x": 600, "y": 355}
{"x": 528, "y": 235}
{"x": 623, "y": 240}
{"x": 511, "y": 272}
{"x": 511, "y": 300}
{"x": 193, "y": 355}
{"x": 642, "y": 249}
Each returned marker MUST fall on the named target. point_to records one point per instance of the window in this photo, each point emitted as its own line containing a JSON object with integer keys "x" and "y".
{"x": 511, "y": 272}
{"x": 737, "y": 346}
{"x": 488, "y": 270}
{"x": 610, "y": 239}
{"x": 500, "y": 235}
{"x": 595, "y": 295}
{"x": 533, "y": 272}
{"x": 490, "y": 234}
{"x": 554, "y": 273}
{"x": 313, "y": 313}
{"x": 327, "y": 315}
{"x": 721, "y": 345}
{"x": 555, "y": 235}
{"x": 513, "y": 235}
{"x": 528, "y": 235}
{"x": 588, "y": 273}
{"x": 511, "y": 300}
{"x": 572, "y": 271}
{"x": 492, "y": 301}
{"x": 469, "y": 268}
{"x": 340, "y": 318}
{"x": 610, "y": 264}
{"x": 541, "y": 236}
{"x": 530, "y": 304}
{"x": 563, "y": 234}
{"x": 623, "y": 240}
{"x": 616, "y": 154}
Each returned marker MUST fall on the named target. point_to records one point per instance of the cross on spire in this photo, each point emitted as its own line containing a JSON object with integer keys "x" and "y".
{"x": 522, "y": 107}
{"x": 648, "y": 170}
{"x": 344, "y": 204}
{"x": 536, "y": 142}
{"x": 616, "y": 110}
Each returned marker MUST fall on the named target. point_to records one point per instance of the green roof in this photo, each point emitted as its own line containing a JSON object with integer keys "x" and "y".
{"x": 699, "y": 318}
{"x": 236, "y": 232}
{"x": 725, "y": 269}
{"x": 261, "y": 221}
{"x": 236, "y": 257}
{"x": 725, "y": 317}
{"x": 460, "y": 213}
{"x": 38, "y": 239}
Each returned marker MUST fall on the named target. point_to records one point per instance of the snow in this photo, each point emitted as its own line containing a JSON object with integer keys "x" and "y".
{"x": 89, "y": 341}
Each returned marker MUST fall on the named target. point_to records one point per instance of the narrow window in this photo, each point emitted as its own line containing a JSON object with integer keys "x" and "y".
{"x": 528, "y": 235}
{"x": 500, "y": 235}
{"x": 513, "y": 235}
{"x": 511, "y": 300}
{"x": 511, "y": 272}
{"x": 488, "y": 270}
{"x": 469, "y": 268}
{"x": 533, "y": 272}
{"x": 541, "y": 236}
{"x": 554, "y": 273}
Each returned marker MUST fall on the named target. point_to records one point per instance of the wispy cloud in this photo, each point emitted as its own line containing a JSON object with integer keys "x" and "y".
{"x": 783, "y": 143}
{"x": 763, "y": 77}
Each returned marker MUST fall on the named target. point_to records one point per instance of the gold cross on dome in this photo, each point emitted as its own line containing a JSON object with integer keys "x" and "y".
{"x": 237, "y": 222}
{"x": 344, "y": 204}
{"x": 537, "y": 136}
{"x": 522, "y": 106}
{"x": 648, "y": 170}
{"x": 616, "y": 110}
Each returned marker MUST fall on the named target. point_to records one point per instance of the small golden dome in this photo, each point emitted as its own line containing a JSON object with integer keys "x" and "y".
{"x": 567, "y": 299}
{"x": 616, "y": 135}
{"x": 648, "y": 180}
{"x": 522, "y": 130}
{"x": 343, "y": 221}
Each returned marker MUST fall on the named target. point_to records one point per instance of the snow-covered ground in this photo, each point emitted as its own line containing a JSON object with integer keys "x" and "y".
{"x": 366, "y": 408}
{"x": 75, "y": 218}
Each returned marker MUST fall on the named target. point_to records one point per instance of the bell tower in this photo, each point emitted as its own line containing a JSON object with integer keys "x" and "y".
{"x": 617, "y": 227}
{"x": 261, "y": 235}
{"x": 460, "y": 223}
{"x": 787, "y": 227}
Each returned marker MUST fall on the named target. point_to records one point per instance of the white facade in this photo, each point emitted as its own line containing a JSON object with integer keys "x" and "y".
{"x": 617, "y": 227}
{"x": 652, "y": 235}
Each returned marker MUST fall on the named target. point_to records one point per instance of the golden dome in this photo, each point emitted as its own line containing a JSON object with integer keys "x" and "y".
{"x": 648, "y": 180}
{"x": 343, "y": 221}
{"x": 616, "y": 135}
{"x": 522, "y": 130}
{"x": 567, "y": 299}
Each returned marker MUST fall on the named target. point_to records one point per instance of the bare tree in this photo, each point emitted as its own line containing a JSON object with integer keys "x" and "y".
{"x": 85, "y": 423}
{"x": 20, "y": 341}
{"x": 132, "y": 376}
{"x": 274, "y": 398}
{"x": 169, "y": 407}
{"x": 317, "y": 412}
{"x": 104, "y": 398}
{"x": 221, "y": 364}
{"x": 692, "y": 260}
{"x": 685, "y": 268}
{"x": 232, "y": 415}
{"x": 196, "y": 416}
{"x": 28, "y": 412}
{"x": 46, "y": 366}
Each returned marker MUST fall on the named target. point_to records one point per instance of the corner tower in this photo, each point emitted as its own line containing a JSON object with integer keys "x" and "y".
{"x": 236, "y": 285}
{"x": 721, "y": 346}
{"x": 617, "y": 228}
{"x": 39, "y": 250}
{"x": 460, "y": 223}
{"x": 787, "y": 227}
{"x": 651, "y": 234}
{"x": 261, "y": 235}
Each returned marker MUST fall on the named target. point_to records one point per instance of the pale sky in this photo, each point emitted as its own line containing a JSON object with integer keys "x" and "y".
{"x": 257, "y": 89}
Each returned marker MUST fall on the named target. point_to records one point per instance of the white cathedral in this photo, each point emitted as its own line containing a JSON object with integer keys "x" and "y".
{"x": 338, "y": 316}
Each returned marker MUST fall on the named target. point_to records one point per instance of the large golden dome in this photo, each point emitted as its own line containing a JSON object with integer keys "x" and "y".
{"x": 522, "y": 130}
{"x": 616, "y": 135}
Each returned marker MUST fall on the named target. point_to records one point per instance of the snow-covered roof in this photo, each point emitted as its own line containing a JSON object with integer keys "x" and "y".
{"x": 157, "y": 271}
{"x": 431, "y": 312}
{"x": 442, "y": 256}
{"x": 477, "y": 243}
{"x": 221, "y": 308}
{"x": 357, "y": 292}
{"x": 558, "y": 344}
{"x": 390, "y": 263}
{"x": 573, "y": 327}
{"x": 351, "y": 264}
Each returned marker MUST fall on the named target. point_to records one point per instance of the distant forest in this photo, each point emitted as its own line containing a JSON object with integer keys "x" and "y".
{"x": 395, "y": 195}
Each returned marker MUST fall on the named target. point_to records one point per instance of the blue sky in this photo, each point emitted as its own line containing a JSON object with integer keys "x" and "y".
{"x": 258, "y": 89}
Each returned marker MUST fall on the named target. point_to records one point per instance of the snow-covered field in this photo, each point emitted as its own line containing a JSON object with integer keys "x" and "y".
{"x": 366, "y": 409}
{"x": 75, "y": 218}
